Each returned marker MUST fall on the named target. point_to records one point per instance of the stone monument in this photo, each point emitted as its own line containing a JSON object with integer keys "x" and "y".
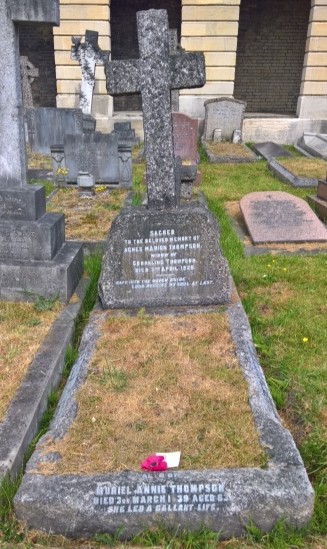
{"x": 28, "y": 73}
{"x": 34, "y": 259}
{"x": 88, "y": 54}
{"x": 225, "y": 114}
{"x": 165, "y": 253}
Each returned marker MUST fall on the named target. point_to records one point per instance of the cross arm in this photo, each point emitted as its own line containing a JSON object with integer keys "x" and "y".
{"x": 187, "y": 70}
{"x": 122, "y": 76}
{"x": 42, "y": 11}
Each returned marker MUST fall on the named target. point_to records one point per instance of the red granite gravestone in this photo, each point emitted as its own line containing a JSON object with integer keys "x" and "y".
{"x": 185, "y": 135}
{"x": 280, "y": 217}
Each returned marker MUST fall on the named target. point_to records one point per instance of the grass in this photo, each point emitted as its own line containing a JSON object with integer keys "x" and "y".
{"x": 286, "y": 303}
{"x": 314, "y": 168}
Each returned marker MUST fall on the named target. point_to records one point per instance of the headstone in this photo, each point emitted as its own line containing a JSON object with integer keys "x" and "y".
{"x": 164, "y": 254}
{"x": 315, "y": 144}
{"x": 319, "y": 202}
{"x": 48, "y": 125}
{"x": 270, "y": 150}
{"x": 125, "y": 133}
{"x": 34, "y": 259}
{"x": 28, "y": 73}
{"x": 280, "y": 217}
{"x": 95, "y": 153}
{"x": 223, "y": 113}
{"x": 185, "y": 135}
{"x": 88, "y": 54}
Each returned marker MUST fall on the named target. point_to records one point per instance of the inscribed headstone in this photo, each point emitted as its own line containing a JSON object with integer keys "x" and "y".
{"x": 275, "y": 216}
{"x": 185, "y": 133}
{"x": 223, "y": 113}
{"x": 48, "y": 125}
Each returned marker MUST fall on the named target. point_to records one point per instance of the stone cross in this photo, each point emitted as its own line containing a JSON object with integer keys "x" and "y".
{"x": 155, "y": 74}
{"x": 27, "y": 72}
{"x": 174, "y": 50}
{"x": 88, "y": 54}
{"x": 12, "y": 139}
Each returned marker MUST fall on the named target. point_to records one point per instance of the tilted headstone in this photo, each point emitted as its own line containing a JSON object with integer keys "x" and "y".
{"x": 315, "y": 144}
{"x": 88, "y": 54}
{"x": 28, "y": 73}
{"x": 33, "y": 255}
{"x": 275, "y": 216}
{"x": 225, "y": 114}
{"x": 269, "y": 150}
{"x": 164, "y": 254}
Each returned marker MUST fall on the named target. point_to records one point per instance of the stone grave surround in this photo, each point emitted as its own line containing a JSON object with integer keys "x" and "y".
{"x": 34, "y": 259}
{"x": 162, "y": 254}
{"x": 225, "y": 114}
{"x": 313, "y": 143}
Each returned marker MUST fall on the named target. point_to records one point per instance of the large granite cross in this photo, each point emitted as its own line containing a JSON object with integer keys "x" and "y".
{"x": 154, "y": 75}
{"x": 12, "y": 141}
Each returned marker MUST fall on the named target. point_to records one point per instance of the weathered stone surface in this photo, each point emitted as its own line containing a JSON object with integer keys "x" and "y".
{"x": 48, "y": 125}
{"x": 322, "y": 189}
{"x": 41, "y": 11}
{"x": 288, "y": 177}
{"x": 223, "y": 113}
{"x": 28, "y": 73}
{"x": 270, "y": 150}
{"x": 280, "y": 217}
{"x": 224, "y": 499}
{"x": 95, "y": 153}
{"x": 58, "y": 277}
{"x": 154, "y": 75}
{"x": 185, "y": 135}
{"x": 22, "y": 203}
{"x": 171, "y": 257}
{"x": 40, "y": 239}
{"x": 315, "y": 144}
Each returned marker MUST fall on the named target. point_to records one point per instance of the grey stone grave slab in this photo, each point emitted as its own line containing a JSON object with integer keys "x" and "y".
{"x": 88, "y": 54}
{"x": 223, "y": 113}
{"x": 270, "y": 150}
{"x": 48, "y": 125}
{"x": 225, "y": 500}
{"x": 288, "y": 177}
{"x": 95, "y": 153}
{"x": 315, "y": 144}
{"x": 33, "y": 256}
{"x": 280, "y": 217}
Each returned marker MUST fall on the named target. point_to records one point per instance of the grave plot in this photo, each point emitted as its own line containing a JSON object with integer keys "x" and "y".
{"x": 221, "y": 152}
{"x": 298, "y": 171}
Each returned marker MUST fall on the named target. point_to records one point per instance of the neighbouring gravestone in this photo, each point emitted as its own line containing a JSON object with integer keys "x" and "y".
{"x": 185, "y": 135}
{"x": 165, "y": 253}
{"x": 315, "y": 144}
{"x": 47, "y": 126}
{"x": 28, "y": 73}
{"x": 98, "y": 154}
{"x": 33, "y": 255}
{"x": 225, "y": 114}
{"x": 88, "y": 54}
{"x": 269, "y": 150}
{"x": 319, "y": 202}
{"x": 280, "y": 217}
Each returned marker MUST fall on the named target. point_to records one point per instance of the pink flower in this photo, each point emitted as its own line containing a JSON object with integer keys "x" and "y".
{"x": 154, "y": 463}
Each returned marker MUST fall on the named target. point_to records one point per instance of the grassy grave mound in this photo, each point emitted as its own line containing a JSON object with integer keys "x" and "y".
{"x": 87, "y": 218}
{"x": 160, "y": 384}
{"x": 232, "y": 150}
{"x": 300, "y": 166}
{"x": 23, "y": 328}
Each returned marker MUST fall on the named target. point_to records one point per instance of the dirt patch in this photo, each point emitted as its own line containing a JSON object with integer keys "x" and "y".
{"x": 233, "y": 150}
{"x": 313, "y": 168}
{"x": 160, "y": 384}
{"x": 87, "y": 218}
{"x": 22, "y": 331}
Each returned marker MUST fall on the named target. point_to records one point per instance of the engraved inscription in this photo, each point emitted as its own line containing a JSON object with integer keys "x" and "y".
{"x": 159, "y": 498}
{"x": 276, "y": 213}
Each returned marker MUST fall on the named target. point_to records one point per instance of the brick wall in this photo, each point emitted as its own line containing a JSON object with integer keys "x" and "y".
{"x": 124, "y": 36}
{"x": 270, "y": 54}
{"x": 36, "y": 42}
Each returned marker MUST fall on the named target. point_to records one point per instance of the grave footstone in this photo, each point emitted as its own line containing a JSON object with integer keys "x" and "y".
{"x": 164, "y": 254}
{"x": 280, "y": 217}
{"x": 269, "y": 150}
{"x": 225, "y": 114}
{"x": 34, "y": 259}
{"x": 315, "y": 144}
{"x": 88, "y": 54}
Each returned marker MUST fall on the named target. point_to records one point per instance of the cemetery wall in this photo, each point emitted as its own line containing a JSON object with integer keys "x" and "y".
{"x": 36, "y": 42}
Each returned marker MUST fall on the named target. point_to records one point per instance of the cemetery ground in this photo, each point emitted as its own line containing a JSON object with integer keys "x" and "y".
{"x": 284, "y": 296}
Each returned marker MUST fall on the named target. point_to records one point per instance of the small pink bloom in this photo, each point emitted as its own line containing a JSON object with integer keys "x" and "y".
{"x": 154, "y": 463}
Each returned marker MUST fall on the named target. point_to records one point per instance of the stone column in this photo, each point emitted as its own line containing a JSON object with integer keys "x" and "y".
{"x": 312, "y": 102}
{"x": 213, "y": 29}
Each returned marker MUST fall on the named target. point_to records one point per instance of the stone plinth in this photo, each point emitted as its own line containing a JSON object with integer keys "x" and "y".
{"x": 164, "y": 258}
{"x": 280, "y": 217}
